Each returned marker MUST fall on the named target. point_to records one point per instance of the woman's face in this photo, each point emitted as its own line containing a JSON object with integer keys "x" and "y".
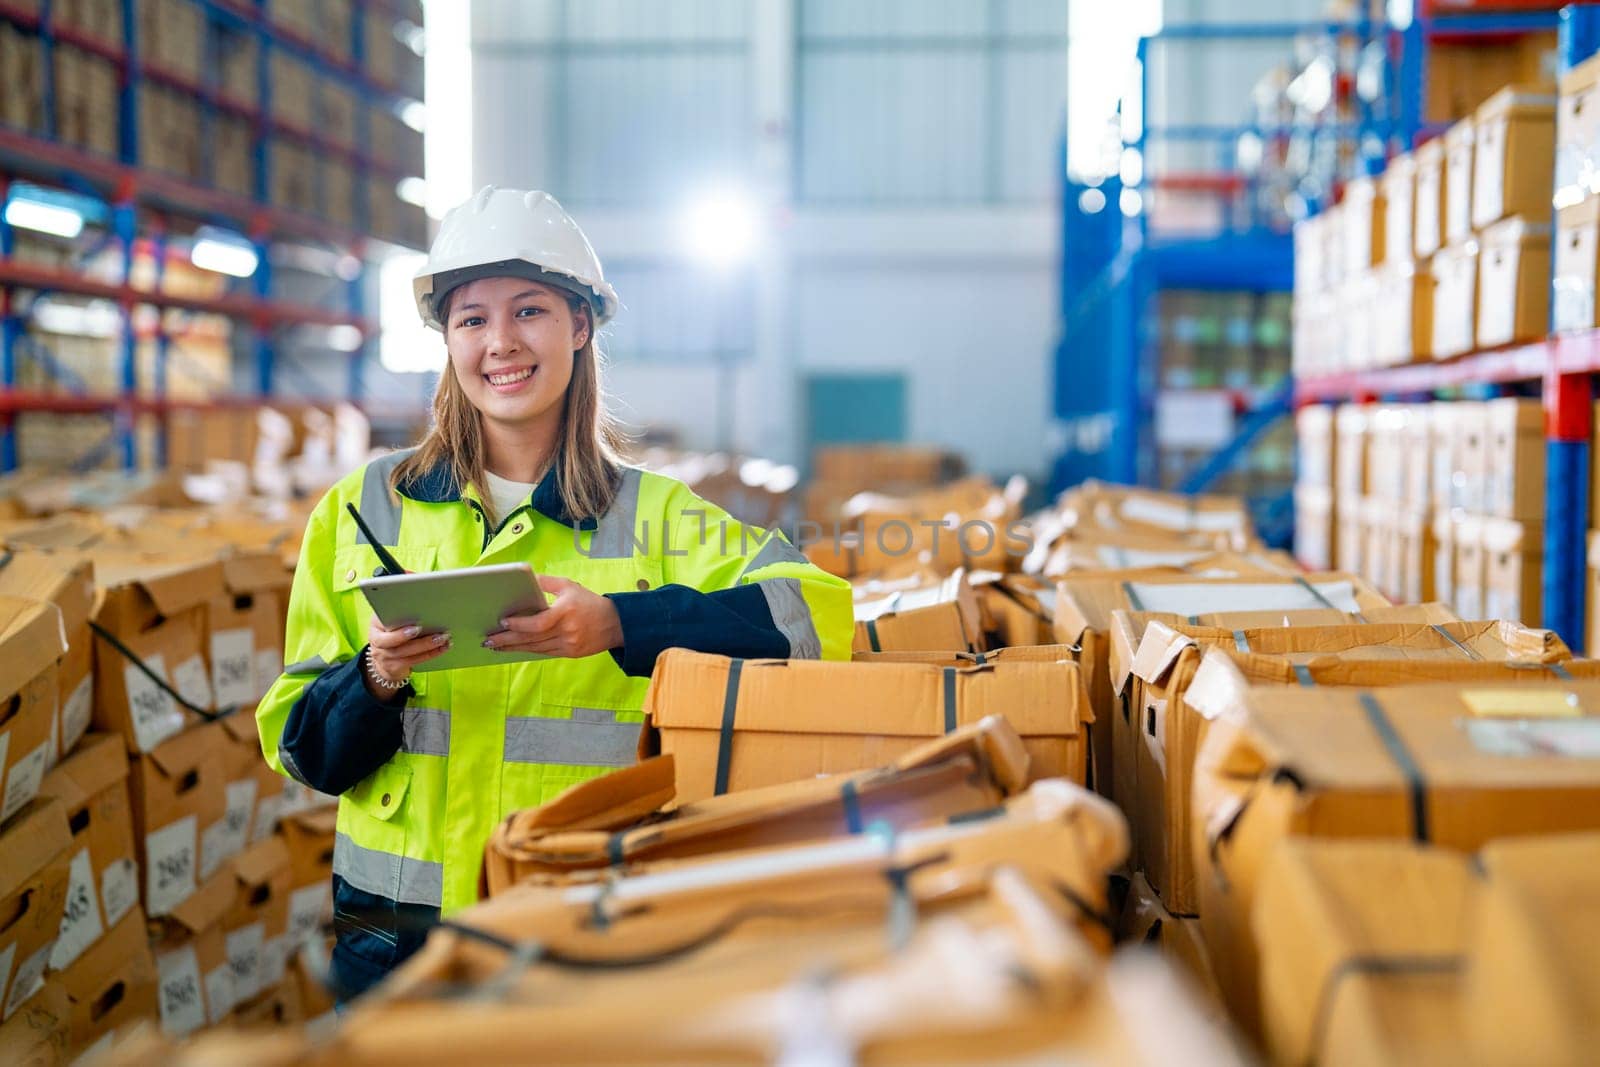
{"x": 511, "y": 343}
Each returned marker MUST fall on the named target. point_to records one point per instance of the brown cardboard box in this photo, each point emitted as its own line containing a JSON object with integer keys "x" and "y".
{"x": 1219, "y": 520}
{"x": 256, "y": 928}
{"x": 37, "y": 1033}
{"x": 196, "y": 977}
{"x": 1432, "y": 186}
{"x": 1416, "y": 455}
{"x": 618, "y": 819}
{"x": 1471, "y": 573}
{"x": 1417, "y": 553}
{"x": 1314, "y": 433}
{"x": 1513, "y": 155}
{"x": 1464, "y": 72}
{"x": 309, "y": 836}
{"x": 1378, "y": 563}
{"x": 1576, "y": 262}
{"x": 1514, "y": 457}
{"x": 1577, "y": 159}
{"x": 154, "y": 606}
{"x": 1350, "y": 450}
{"x": 772, "y": 721}
{"x": 255, "y": 791}
{"x": 1453, "y": 765}
{"x": 1399, "y": 188}
{"x": 1399, "y": 910}
{"x": 1349, "y": 541}
{"x": 92, "y": 787}
{"x": 30, "y": 645}
{"x": 1385, "y": 477}
{"x": 66, "y": 579}
{"x": 1441, "y": 453}
{"x": 1403, "y": 332}
{"x": 1470, "y": 457}
{"x": 1455, "y": 298}
{"x": 1017, "y": 606}
{"x": 178, "y": 802}
{"x": 1459, "y": 141}
{"x": 1365, "y": 213}
{"x": 112, "y": 984}
{"x": 1181, "y": 693}
{"x": 1146, "y": 921}
{"x": 1513, "y": 282}
{"x": 33, "y": 896}
{"x": 1444, "y": 558}
{"x": 1314, "y": 527}
{"x": 1531, "y": 992}
{"x": 942, "y": 616}
{"x": 1513, "y": 570}
{"x": 244, "y": 628}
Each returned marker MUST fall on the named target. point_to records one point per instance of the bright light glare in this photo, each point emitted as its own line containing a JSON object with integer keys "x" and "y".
{"x": 721, "y": 228}
{"x": 412, "y": 191}
{"x": 1132, "y": 167}
{"x": 447, "y": 145}
{"x": 97, "y": 318}
{"x": 1091, "y": 201}
{"x": 1131, "y": 202}
{"x": 37, "y": 215}
{"x": 414, "y": 113}
{"x": 344, "y": 338}
{"x": 223, "y": 252}
{"x": 405, "y": 345}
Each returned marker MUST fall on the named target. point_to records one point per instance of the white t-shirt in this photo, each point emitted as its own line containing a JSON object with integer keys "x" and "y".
{"x": 506, "y": 495}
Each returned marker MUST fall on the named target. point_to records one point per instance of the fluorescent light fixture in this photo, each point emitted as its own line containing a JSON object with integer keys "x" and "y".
{"x": 721, "y": 228}
{"x": 96, "y": 318}
{"x": 412, "y": 191}
{"x": 226, "y": 253}
{"x": 447, "y": 94}
{"x": 29, "y": 213}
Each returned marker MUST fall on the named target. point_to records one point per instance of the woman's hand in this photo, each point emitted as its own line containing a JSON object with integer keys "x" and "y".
{"x": 394, "y": 653}
{"x": 577, "y": 623}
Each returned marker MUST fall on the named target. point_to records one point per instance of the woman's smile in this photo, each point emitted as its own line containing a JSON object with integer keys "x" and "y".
{"x": 510, "y": 381}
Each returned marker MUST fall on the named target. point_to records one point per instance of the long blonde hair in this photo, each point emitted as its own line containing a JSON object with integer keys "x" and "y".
{"x": 588, "y": 454}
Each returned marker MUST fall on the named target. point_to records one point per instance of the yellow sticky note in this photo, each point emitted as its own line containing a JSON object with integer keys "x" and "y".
{"x": 1527, "y": 703}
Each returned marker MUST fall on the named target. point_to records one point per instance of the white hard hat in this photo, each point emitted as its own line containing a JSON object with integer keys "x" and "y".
{"x": 524, "y": 234}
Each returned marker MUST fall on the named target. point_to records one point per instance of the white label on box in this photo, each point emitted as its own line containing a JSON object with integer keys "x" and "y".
{"x": 75, "y": 713}
{"x": 1264, "y": 596}
{"x": 226, "y": 836}
{"x": 1536, "y": 738}
{"x": 6, "y": 956}
{"x": 269, "y": 664}
{"x": 183, "y": 1009}
{"x": 189, "y": 679}
{"x": 22, "y": 784}
{"x": 220, "y": 995}
{"x": 309, "y": 906}
{"x": 119, "y": 889}
{"x": 245, "y": 948}
{"x": 169, "y": 855}
{"x": 155, "y": 714}
{"x": 233, "y": 666}
{"x": 80, "y": 921}
{"x": 266, "y": 820}
{"x": 29, "y": 978}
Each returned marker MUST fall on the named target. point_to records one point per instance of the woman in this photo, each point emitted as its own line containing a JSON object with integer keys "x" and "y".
{"x": 520, "y": 465}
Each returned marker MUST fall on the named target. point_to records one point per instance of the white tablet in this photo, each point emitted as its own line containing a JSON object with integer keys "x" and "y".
{"x": 467, "y": 604}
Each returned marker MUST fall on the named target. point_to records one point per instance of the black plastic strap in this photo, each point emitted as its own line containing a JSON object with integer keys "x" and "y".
{"x": 872, "y": 635}
{"x": 1448, "y": 636}
{"x": 851, "y": 799}
{"x": 981, "y": 815}
{"x": 1133, "y": 598}
{"x": 1314, "y": 591}
{"x": 1240, "y": 641}
{"x": 208, "y": 714}
{"x": 949, "y": 700}
{"x": 979, "y": 658}
{"x": 1561, "y": 672}
{"x": 1194, "y": 620}
{"x": 1380, "y": 966}
{"x": 1402, "y": 759}
{"x": 614, "y": 852}
{"x": 1302, "y": 674}
{"x": 730, "y": 705}
{"x": 390, "y": 564}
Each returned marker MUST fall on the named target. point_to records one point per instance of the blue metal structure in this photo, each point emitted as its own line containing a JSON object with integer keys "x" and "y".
{"x": 126, "y": 185}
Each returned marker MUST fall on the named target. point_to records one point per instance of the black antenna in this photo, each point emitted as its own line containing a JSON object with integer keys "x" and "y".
{"x": 390, "y": 564}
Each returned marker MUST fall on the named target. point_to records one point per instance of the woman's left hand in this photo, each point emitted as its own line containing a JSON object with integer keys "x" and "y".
{"x": 577, "y": 623}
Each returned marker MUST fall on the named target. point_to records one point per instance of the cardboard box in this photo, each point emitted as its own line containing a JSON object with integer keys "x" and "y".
{"x": 772, "y": 721}
{"x": 92, "y": 788}
{"x": 1403, "y": 323}
{"x": 30, "y": 645}
{"x": 1451, "y": 765}
{"x": 1514, "y": 481}
{"x": 1459, "y": 141}
{"x": 1513, "y": 156}
{"x": 1471, "y": 574}
{"x": 65, "y": 579}
{"x": 179, "y": 800}
{"x": 1399, "y": 194}
{"x": 1513, "y": 562}
{"x": 1417, "y": 553}
{"x": 1146, "y": 921}
{"x": 244, "y": 628}
{"x": 1314, "y": 434}
{"x": 1365, "y": 215}
{"x": 1181, "y": 693}
{"x": 1441, "y": 452}
{"x": 154, "y": 607}
{"x": 1455, "y": 298}
{"x": 256, "y": 927}
{"x": 33, "y": 896}
{"x": 195, "y": 974}
{"x": 1577, "y": 159}
{"x": 1444, "y": 558}
{"x": 1402, "y": 912}
{"x": 620, "y": 819}
{"x": 1314, "y": 527}
{"x": 938, "y": 617}
{"x": 1469, "y": 457}
{"x": 1350, "y": 450}
{"x": 1513, "y": 282}
{"x": 113, "y": 984}
{"x": 1576, "y": 261}
{"x": 1349, "y": 541}
{"x": 1377, "y": 556}
{"x": 1465, "y": 71}
{"x": 255, "y": 791}
{"x": 1224, "y": 521}
{"x": 37, "y": 1033}
{"x": 1432, "y": 185}
{"x": 309, "y": 836}
{"x": 1019, "y": 615}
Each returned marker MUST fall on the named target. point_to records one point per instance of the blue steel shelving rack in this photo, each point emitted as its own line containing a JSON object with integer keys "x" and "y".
{"x": 125, "y": 186}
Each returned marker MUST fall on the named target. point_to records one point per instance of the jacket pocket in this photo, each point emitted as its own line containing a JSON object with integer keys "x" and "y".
{"x": 368, "y": 919}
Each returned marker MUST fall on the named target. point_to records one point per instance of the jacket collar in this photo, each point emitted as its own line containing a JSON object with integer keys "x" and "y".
{"x": 438, "y": 486}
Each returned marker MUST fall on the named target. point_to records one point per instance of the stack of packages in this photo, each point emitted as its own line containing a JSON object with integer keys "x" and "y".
{"x": 148, "y": 883}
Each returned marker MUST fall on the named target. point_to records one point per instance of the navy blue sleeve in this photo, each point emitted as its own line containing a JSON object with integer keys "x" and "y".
{"x": 337, "y": 733}
{"x": 727, "y": 622}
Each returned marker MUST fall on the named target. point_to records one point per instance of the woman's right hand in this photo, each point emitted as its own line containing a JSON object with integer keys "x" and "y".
{"x": 395, "y": 653}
